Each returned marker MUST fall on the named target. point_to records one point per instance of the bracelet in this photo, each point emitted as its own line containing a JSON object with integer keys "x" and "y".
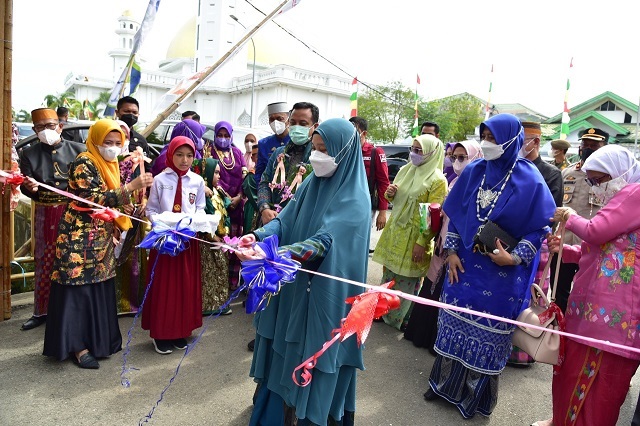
{"x": 565, "y": 215}
{"x": 126, "y": 189}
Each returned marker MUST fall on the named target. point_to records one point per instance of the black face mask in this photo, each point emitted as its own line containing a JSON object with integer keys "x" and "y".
{"x": 586, "y": 152}
{"x": 130, "y": 119}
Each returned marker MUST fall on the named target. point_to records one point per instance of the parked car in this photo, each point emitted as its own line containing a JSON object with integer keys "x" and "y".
{"x": 78, "y": 130}
{"x": 24, "y": 130}
{"x": 397, "y": 156}
{"x": 161, "y": 136}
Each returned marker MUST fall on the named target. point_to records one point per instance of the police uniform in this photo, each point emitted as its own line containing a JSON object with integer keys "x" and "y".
{"x": 579, "y": 196}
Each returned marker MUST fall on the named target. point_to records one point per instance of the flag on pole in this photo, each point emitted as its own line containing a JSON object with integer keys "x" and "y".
{"x": 354, "y": 98}
{"x": 290, "y": 5}
{"x": 564, "y": 127}
{"x": 488, "y": 107}
{"x": 131, "y": 72}
{"x": 416, "y": 130}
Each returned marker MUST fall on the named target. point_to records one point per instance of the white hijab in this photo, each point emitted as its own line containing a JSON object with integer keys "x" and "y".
{"x": 616, "y": 161}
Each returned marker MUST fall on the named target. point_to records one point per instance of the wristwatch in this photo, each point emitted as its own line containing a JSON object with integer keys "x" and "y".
{"x": 263, "y": 207}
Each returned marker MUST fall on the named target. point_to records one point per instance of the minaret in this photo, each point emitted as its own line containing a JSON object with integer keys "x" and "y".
{"x": 216, "y": 33}
{"x": 126, "y": 30}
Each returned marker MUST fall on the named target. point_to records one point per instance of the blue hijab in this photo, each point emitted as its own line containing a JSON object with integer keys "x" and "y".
{"x": 525, "y": 204}
{"x": 340, "y": 206}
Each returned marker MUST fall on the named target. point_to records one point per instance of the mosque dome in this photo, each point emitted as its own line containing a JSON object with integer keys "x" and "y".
{"x": 271, "y": 47}
{"x": 183, "y": 44}
{"x": 127, "y": 13}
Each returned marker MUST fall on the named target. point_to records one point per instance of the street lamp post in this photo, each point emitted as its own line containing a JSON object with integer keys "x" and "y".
{"x": 253, "y": 76}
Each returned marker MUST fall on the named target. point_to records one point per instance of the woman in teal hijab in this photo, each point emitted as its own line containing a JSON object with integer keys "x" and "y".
{"x": 324, "y": 226}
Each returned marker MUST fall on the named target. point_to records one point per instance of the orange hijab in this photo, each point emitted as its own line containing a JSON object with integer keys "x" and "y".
{"x": 109, "y": 170}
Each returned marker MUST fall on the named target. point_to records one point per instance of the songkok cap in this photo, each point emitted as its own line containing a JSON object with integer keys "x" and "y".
{"x": 43, "y": 114}
{"x": 594, "y": 134}
{"x": 560, "y": 144}
{"x": 532, "y": 127}
{"x": 277, "y": 107}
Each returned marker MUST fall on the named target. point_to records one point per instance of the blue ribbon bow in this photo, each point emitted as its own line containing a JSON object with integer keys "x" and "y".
{"x": 167, "y": 240}
{"x": 266, "y": 276}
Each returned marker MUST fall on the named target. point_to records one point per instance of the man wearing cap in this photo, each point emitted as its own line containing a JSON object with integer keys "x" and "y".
{"x": 46, "y": 162}
{"x": 559, "y": 148}
{"x": 291, "y": 160}
{"x": 579, "y": 196}
{"x": 531, "y": 151}
{"x": 278, "y": 115}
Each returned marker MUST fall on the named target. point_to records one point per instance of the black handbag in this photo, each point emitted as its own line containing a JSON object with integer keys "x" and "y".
{"x": 488, "y": 233}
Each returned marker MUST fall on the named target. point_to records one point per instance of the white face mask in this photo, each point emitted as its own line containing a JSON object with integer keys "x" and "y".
{"x": 48, "y": 136}
{"x": 109, "y": 153}
{"x": 605, "y": 191}
{"x": 125, "y": 147}
{"x": 524, "y": 151}
{"x": 278, "y": 127}
{"x": 491, "y": 151}
{"x": 458, "y": 166}
{"x": 323, "y": 164}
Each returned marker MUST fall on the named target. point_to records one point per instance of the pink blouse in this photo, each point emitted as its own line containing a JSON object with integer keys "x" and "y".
{"x": 605, "y": 299}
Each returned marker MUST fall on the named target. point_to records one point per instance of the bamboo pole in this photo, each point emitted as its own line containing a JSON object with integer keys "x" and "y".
{"x": 6, "y": 33}
{"x": 209, "y": 71}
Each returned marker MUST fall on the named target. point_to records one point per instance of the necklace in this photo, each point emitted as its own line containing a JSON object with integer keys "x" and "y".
{"x": 489, "y": 197}
{"x": 221, "y": 156}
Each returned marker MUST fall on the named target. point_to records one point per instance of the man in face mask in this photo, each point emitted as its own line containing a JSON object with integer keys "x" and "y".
{"x": 531, "y": 151}
{"x": 278, "y": 115}
{"x": 580, "y": 197}
{"x": 288, "y": 159}
{"x": 46, "y": 162}
{"x": 128, "y": 110}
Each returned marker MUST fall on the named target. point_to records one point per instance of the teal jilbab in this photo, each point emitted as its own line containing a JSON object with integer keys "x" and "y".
{"x": 326, "y": 227}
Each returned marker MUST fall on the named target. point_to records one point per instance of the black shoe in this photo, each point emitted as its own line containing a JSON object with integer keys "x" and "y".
{"x": 371, "y": 251}
{"x": 163, "y": 347}
{"x": 430, "y": 395}
{"x": 87, "y": 361}
{"x": 180, "y": 344}
{"x": 34, "y": 322}
{"x": 251, "y": 344}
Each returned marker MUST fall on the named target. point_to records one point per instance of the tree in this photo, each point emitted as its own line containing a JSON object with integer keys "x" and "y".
{"x": 390, "y": 112}
{"x": 22, "y": 116}
{"x": 386, "y": 109}
{"x": 457, "y": 116}
{"x": 64, "y": 99}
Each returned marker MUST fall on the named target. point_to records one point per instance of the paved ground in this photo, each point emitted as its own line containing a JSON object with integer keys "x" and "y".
{"x": 213, "y": 387}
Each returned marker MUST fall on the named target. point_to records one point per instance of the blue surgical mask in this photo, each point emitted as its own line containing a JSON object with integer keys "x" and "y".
{"x": 299, "y": 134}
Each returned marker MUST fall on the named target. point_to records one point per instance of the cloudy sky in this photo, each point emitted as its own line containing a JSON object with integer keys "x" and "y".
{"x": 451, "y": 44}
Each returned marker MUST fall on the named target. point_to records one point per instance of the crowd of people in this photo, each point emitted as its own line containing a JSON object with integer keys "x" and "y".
{"x": 321, "y": 186}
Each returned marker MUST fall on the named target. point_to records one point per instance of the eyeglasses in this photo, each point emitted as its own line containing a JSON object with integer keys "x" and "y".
{"x": 415, "y": 150}
{"x": 41, "y": 127}
{"x": 596, "y": 181}
{"x": 460, "y": 158}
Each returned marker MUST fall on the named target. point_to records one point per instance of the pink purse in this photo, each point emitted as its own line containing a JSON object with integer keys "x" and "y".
{"x": 542, "y": 346}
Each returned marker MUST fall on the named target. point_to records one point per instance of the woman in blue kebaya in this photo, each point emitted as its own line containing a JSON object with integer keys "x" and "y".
{"x": 509, "y": 191}
{"x": 324, "y": 227}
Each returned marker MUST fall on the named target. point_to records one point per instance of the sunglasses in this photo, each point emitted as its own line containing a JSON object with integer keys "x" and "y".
{"x": 460, "y": 158}
{"x": 596, "y": 181}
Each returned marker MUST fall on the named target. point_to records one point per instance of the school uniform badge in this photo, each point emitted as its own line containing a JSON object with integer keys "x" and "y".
{"x": 192, "y": 198}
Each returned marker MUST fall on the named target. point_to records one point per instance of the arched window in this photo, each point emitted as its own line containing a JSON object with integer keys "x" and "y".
{"x": 130, "y": 26}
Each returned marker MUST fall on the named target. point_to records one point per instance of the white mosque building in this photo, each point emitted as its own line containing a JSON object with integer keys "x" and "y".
{"x": 274, "y": 74}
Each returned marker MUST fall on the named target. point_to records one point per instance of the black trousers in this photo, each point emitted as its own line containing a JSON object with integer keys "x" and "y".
{"x": 636, "y": 415}
{"x": 565, "y": 278}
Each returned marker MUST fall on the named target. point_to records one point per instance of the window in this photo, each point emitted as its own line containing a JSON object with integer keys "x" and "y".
{"x": 130, "y": 26}
{"x": 608, "y": 106}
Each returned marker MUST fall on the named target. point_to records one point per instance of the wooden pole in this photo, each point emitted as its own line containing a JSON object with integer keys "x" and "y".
{"x": 6, "y": 32}
{"x": 208, "y": 72}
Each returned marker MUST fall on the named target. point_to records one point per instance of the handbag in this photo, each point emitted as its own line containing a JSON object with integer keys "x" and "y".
{"x": 488, "y": 233}
{"x": 542, "y": 346}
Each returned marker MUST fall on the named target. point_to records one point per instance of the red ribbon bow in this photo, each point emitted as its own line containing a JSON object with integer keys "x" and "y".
{"x": 366, "y": 307}
{"x": 552, "y": 310}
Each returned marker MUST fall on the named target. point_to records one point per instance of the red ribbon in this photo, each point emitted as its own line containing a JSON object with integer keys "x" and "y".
{"x": 10, "y": 178}
{"x": 365, "y": 307}
{"x": 552, "y": 310}
{"x": 106, "y": 214}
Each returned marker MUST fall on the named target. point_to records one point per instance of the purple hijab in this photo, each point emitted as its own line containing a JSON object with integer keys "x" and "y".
{"x": 448, "y": 165}
{"x": 230, "y": 167}
{"x": 189, "y": 128}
